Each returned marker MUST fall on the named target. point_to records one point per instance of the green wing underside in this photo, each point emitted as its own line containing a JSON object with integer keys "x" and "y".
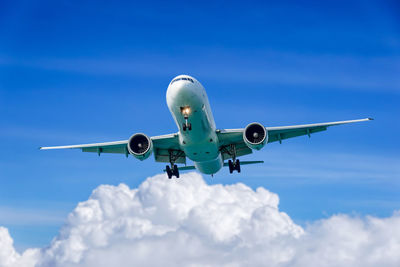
{"x": 228, "y": 137}
{"x": 116, "y": 149}
{"x": 235, "y": 136}
{"x": 163, "y": 145}
{"x": 279, "y": 135}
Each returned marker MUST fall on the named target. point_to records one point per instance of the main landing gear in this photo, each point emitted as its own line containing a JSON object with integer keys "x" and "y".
{"x": 234, "y": 164}
{"x": 173, "y": 170}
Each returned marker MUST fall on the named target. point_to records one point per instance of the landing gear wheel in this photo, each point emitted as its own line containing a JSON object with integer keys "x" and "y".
{"x": 169, "y": 172}
{"x": 230, "y": 166}
{"x": 186, "y": 126}
{"x": 176, "y": 171}
{"x": 237, "y": 166}
{"x": 234, "y": 166}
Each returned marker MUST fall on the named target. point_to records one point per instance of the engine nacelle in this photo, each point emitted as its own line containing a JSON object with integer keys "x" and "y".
{"x": 140, "y": 146}
{"x": 255, "y": 136}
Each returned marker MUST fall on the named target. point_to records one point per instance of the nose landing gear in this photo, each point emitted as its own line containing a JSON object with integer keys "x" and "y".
{"x": 185, "y": 112}
{"x": 186, "y": 126}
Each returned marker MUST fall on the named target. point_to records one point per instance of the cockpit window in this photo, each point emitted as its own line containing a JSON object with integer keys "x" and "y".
{"x": 184, "y": 79}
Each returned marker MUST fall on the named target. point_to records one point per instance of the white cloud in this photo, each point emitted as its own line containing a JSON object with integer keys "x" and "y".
{"x": 185, "y": 222}
{"x": 8, "y": 255}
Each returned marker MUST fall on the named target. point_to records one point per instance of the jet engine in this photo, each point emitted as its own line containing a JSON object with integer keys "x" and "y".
{"x": 140, "y": 146}
{"x": 255, "y": 136}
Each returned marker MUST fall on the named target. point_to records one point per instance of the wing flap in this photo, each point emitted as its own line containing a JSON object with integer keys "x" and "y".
{"x": 279, "y": 135}
{"x": 116, "y": 149}
{"x": 163, "y": 155}
{"x": 241, "y": 150}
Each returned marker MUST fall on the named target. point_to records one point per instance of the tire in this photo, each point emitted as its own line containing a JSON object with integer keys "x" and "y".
{"x": 169, "y": 172}
{"x": 230, "y": 166}
{"x": 190, "y": 126}
{"x": 176, "y": 171}
{"x": 184, "y": 127}
{"x": 237, "y": 165}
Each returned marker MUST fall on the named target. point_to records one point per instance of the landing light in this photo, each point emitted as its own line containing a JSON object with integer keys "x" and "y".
{"x": 185, "y": 110}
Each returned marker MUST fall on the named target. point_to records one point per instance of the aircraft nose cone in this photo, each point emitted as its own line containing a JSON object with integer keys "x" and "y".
{"x": 183, "y": 90}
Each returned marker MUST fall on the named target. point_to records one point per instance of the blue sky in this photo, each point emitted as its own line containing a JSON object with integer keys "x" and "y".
{"x": 89, "y": 72}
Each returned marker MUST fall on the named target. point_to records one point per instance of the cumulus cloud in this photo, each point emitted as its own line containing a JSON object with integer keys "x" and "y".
{"x": 185, "y": 222}
{"x": 8, "y": 255}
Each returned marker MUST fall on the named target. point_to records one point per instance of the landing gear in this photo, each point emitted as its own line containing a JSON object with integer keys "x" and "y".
{"x": 176, "y": 171}
{"x": 185, "y": 112}
{"x": 173, "y": 170}
{"x": 234, "y": 166}
{"x": 186, "y": 126}
{"x": 169, "y": 172}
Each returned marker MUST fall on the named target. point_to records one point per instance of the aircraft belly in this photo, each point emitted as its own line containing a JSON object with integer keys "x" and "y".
{"x": 210, "y": 166}
{"x": 201, "y": 151}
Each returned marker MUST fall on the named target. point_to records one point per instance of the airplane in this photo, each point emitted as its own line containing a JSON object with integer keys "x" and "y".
{"x": 198, "y": 138}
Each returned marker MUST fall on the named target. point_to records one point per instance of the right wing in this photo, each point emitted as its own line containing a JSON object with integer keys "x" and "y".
{"x": 163, "y": 145}
{"x": 284, "y": 132}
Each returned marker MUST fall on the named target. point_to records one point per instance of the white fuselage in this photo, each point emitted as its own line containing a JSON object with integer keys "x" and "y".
{"x": 200, "y": 144}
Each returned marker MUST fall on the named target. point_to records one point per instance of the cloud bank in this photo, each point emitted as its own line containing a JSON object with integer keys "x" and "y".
{"x": 185, "y": 222}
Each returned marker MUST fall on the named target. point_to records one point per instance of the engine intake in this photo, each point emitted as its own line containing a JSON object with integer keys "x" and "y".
{"x": 140, "y": 146}
{"x": 255, "y": 136}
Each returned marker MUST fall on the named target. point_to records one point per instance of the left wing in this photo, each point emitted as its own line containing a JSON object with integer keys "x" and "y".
{"x": 162, "y": 145}
{"x": 118, "y": 147}
{"x": 235, "y": 136}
